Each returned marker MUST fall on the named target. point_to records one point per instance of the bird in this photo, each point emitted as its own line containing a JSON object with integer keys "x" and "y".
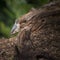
{"x": 25, "y": 20}
{"x": 21, "y": 21}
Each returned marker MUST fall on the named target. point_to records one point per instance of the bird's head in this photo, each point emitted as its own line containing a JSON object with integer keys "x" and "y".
{"x": 18, "y": 25}
{"x": 21, "y": 22}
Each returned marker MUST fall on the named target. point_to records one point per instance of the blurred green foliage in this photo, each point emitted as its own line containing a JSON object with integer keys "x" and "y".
{"x": 12, "y": 9}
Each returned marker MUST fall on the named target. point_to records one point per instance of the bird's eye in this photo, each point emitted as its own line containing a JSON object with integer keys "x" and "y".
{"x": 24, "y": 21}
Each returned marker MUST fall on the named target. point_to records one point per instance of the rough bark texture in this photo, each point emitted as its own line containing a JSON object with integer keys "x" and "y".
{"x": 41, "y": 41}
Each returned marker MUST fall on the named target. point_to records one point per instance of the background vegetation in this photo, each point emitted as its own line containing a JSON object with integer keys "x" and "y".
{"x": 12, "y": 9}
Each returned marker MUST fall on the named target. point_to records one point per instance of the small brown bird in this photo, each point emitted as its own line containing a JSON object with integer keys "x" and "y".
{"x": 21, "y": 22}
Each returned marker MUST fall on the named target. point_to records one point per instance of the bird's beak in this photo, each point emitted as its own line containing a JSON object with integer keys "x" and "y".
{"x": 15, "y": 28}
